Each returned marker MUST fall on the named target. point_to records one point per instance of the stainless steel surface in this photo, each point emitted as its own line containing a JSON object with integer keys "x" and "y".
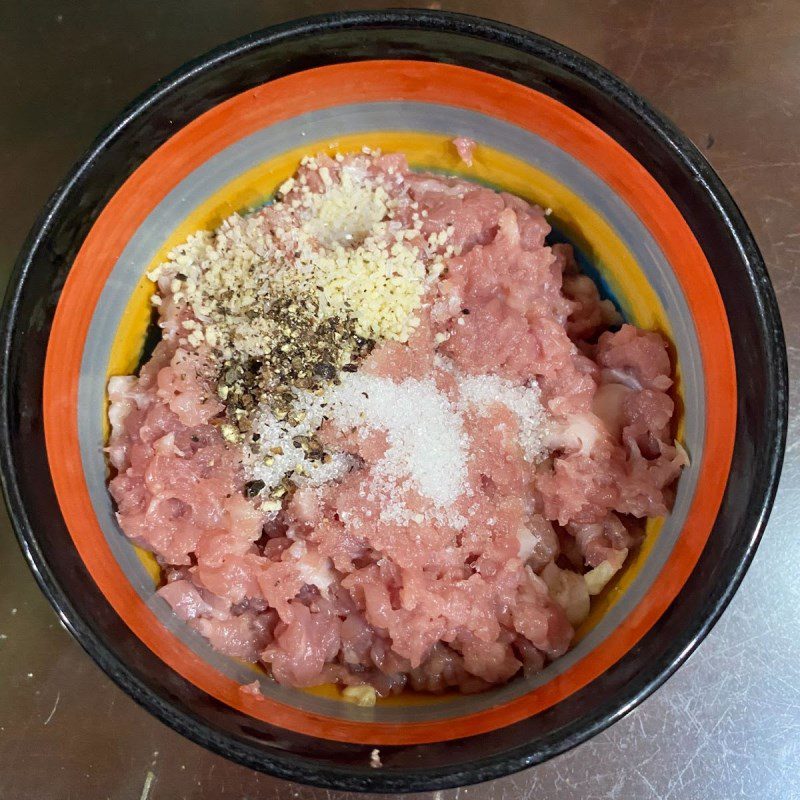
{"x": 727, "y": 725}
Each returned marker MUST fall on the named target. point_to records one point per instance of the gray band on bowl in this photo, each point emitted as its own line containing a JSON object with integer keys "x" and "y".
{"x": 327, "y": 124}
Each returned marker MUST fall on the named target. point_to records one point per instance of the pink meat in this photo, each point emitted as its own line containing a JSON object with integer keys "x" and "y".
{"x": 639, "y": 356}
{"x": 465, "y": 148}
{"x": 304, "y": 644}
{"x": 334, "y": 588}
{"x": 243, "y": 636}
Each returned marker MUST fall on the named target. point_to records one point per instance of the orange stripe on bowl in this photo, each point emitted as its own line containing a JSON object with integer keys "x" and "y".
{"x": 359, "y": 83}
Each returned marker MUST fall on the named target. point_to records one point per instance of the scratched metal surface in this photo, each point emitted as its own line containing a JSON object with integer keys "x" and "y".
{"x": 727, "y": 725}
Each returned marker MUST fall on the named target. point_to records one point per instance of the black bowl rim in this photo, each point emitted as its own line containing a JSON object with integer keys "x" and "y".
{"x": 291, "y": 767}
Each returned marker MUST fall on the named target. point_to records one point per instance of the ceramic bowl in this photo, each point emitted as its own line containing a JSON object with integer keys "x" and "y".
{"x": 651, "y": 222}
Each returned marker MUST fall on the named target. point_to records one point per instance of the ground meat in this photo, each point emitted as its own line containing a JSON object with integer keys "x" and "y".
{"x": 364, "y": 579}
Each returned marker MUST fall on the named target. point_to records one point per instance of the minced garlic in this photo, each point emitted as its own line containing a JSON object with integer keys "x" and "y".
{"x": 364, "y": 696}
{"x": 339, "y": 243}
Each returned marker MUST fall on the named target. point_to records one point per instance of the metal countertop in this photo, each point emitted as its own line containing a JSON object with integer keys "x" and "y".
{"x": 727, "y": 724}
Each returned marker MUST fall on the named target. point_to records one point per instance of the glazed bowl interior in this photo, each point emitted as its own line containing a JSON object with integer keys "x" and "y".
{"x": 219, "y": 137}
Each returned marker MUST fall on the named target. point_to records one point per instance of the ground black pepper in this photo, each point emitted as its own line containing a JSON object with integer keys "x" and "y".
{"x": 304, "y": 352}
